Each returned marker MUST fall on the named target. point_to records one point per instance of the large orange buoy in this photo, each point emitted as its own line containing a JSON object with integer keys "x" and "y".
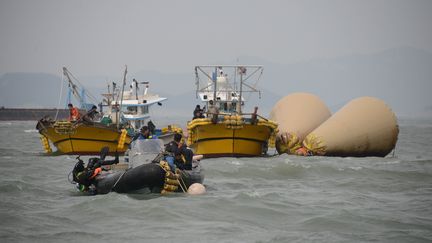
{"x": 196, "y": 189}
{"x": 365, "y": 126}
{"x": 297, "y": 115}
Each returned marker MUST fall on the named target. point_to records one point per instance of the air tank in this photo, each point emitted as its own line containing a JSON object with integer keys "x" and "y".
{"x": 365, "y": 126}
{"x": 297, "y": 115}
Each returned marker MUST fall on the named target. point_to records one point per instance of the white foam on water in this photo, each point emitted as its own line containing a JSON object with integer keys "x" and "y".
{"x": 31, "y": 131}
{"x": 236, "y": 162}
{"x": 254, "y": 194}
{"x": 389, "y": 162}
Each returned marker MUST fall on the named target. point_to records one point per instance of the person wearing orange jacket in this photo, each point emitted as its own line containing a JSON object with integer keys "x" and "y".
{"x": 74, "y": 114}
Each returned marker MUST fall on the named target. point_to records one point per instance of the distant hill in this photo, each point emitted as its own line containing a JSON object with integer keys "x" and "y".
{"x": 29, "y": 90}
{"x": 402, "y": 77}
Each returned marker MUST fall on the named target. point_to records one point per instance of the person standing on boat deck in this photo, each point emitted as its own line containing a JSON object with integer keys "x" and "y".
{"x": 181, "y": 155}
{"x": 198, "y": 112}
{"x": 143, "y": 134}
{"x": 90, "y": 116}
{"x": 74, "y": 114}
{"x": 212, "y": 111}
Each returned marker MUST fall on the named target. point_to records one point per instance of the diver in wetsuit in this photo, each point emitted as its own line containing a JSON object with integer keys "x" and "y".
{"x": 85, "y": 176}
{"x": 143, "y": 134}
{"x": 180, "y": 152}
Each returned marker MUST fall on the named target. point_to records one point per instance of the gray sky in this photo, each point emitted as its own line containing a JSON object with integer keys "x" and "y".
{"x": 100, "y": 37}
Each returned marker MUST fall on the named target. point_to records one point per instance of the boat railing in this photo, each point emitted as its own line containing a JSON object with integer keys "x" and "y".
{"x": 221, "y": 115}
{"x": 234, "y": 113}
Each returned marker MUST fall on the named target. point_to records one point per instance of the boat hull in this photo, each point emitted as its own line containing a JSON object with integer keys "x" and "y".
{"x": 146, "y": 176}
{"x": 218, "y": 140}
{"x": 85, "y": 139}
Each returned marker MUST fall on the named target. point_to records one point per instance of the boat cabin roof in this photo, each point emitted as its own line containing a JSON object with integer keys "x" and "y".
{"x": 143, "y": 102}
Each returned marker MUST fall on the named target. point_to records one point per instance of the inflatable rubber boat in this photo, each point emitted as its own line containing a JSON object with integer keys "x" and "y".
{"x": 140, "y": 176}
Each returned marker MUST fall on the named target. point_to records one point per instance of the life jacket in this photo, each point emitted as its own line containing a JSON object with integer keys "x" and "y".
{"x": 86, "y": 176}
{"x": 96, "y": 172}
{"x": 74, "y": 114}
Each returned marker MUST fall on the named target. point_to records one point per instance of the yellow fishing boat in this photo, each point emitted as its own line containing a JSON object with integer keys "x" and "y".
{"x": 83, "y": 139}
{"x": 127, "y": 112}
{"x": 225, "y": 130}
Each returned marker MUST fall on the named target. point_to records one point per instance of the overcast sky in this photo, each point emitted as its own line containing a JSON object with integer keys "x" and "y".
{"x": 100, "y": 37}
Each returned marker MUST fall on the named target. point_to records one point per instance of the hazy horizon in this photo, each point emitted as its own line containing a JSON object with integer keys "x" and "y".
{"x": 100, "y": 37}
{"x": 310, "y": 46}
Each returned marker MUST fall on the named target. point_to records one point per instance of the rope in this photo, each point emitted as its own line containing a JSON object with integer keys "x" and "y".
{"x": 115, "y": 184}
{"x": 254, "y": 86}
{"x": 182, "y": 185}
{"x": 87, "y": 93}
{"x": 180, "y": 180}
{"x": 60, "y": 97}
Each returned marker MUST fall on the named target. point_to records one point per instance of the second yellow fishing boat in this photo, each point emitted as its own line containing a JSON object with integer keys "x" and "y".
{"x": 223, "y": 130}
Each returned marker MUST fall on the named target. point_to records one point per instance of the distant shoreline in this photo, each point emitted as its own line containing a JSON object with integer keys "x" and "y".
{"x": 31, "y": 114}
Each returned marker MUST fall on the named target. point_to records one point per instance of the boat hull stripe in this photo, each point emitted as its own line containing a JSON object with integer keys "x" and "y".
{"x": 229, "y": 138}
{"x": 86, "y": 139}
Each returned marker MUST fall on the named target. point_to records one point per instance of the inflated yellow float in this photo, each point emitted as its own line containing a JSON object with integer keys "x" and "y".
{"x": 297, "y": 115}
{"x": 365, "y": 126}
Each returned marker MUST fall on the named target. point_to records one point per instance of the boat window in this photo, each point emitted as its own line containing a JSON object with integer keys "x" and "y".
{"x": 227, "y": 106}
{"x": 233, "y": 107}
{"x": 131, "y": 110}
{"x": 144, "y": 109}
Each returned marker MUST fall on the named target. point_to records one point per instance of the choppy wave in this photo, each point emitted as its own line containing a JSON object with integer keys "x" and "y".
{"x": 274, "y": 199}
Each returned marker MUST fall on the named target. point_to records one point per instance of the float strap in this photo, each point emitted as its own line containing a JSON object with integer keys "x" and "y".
{"x": 314, "y": 144}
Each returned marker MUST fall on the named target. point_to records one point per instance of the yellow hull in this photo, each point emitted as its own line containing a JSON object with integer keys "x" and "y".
{"x": 222, "y": 140}
{"x": 84, "y": 139}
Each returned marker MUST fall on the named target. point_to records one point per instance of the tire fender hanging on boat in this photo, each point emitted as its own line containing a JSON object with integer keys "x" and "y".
{"x": 122, "y": 139}
{"x": 45, "y": 144}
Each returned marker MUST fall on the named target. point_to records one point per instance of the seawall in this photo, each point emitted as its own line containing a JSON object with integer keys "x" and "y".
{"x": 24, "y": 114}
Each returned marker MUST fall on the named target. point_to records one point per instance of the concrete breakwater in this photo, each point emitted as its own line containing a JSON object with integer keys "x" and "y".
{"x": 30, "y": 114}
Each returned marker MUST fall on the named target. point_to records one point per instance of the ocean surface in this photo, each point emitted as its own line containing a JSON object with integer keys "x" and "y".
{"x": 276, "y": 199}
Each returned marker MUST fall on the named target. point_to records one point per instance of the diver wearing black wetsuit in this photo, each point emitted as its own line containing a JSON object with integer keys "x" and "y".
{"x": 182, "y": 154}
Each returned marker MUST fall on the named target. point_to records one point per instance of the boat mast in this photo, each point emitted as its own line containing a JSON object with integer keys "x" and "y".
{"x": 215, "y": 84}
{"x": 73, "y": 86}
{"x": 136, "y": 88}
{"x": 121, "y": 99}
{"x": 242, "y": 70}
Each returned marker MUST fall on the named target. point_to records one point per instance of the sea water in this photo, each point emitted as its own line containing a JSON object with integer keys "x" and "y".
{"x": 275, "y": 199}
